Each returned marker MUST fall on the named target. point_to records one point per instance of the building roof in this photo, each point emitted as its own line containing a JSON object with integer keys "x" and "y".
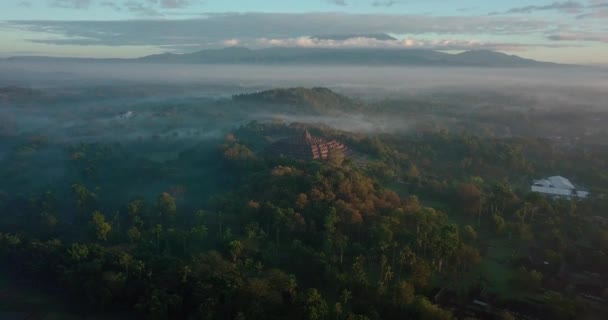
{"x": 561, "y": 182}
{"x": 553, "y": 191}
{"x": 305, "y": 146}
{"x": 557, "y": 186}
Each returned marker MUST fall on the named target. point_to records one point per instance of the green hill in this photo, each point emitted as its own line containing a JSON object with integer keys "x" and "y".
{"x": 300, "y": 100}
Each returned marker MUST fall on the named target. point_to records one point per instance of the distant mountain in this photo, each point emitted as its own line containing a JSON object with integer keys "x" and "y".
{"x": 309, "y": 100}
{"x": 492, "y": 58}
{"x": 326, "y": 56}
{"x": 353, "y": 56}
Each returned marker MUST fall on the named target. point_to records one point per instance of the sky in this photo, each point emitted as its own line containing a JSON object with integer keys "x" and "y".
{"x": 573, "y": 31}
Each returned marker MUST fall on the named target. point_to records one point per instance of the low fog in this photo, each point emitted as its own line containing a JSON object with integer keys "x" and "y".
{"x": 78, "y": 101}
{"x": 389, "y": 77}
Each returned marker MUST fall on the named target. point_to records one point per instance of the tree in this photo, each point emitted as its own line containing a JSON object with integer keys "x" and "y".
{"x": 445, "y": 243}
{"x": 352, "y": 316}
{"x": 78, "y": 252}
{"x": 157, "y": 230}
{"x": 403, "y": 294}
{"x": 125, "y": 261}
{"x": 135, "y": 210}
{"x": 430, "y": 311}
{"x": 501, "y": 196}
{"x": 199, "y": 233}
{"x": 316, "y": 307}
{"x": 382, "y": 235}
{"x": 499, "y": 223}
{"x": 527, "y": 280}
{"x": 468, "y": 234}
{"x": 238, "y": 153}
{"x": 236, "y": 248}
{"x": 470, "y": 198}
{"x": 468, "y": 256}
{"x": 166, "y": 206}
{"x": 602, "y": 240}
{"x": 341, "y": 241}
{"x": 331, "y": 220}
{"x": 345, "y": 296}
{"x": 506, "y": 315}
{"x": 335, "y": 157}
{"x": 102, "y": 227}
{"x": 561, "y": 308}
{"x": 406, "y": 258}
{"x": 338, "y": 310}
{"x": 358, "y": 272}
{"x": 85, "y": 200}
{"x": 420, "y": 274}
{"x": 412, "y": 172}
{"x": 134, "y": 234}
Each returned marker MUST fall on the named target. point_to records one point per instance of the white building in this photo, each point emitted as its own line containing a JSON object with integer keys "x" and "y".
{"x": 558, "y": 187}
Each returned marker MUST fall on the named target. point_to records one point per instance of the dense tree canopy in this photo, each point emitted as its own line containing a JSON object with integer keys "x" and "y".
{"x": 382, "y": 232}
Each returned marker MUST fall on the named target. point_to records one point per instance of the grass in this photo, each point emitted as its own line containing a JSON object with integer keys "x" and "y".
{"x": 494, "y": 271}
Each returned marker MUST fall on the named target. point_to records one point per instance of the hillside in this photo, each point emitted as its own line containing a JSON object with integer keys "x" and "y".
{"x": 356, "y": 56}
{"x": 323, "y": 56}
{"x": 300, "y": 100}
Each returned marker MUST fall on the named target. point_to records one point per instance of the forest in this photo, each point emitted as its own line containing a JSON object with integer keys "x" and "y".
{"x": 175, "y": 210}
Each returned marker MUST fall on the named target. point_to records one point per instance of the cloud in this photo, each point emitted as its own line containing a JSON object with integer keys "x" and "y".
{"x": 110, "y": 4}
{"x": 231, "y": 42}
{"x": 173, "y": 4}
{"x": 597, "y": 9}
{"x": 590, "y": 9}
{"x": 25, "y": 4}
{"x": 214, "y": 28}
{"x": 598, "y": 3}
{"x": 338, "y": 2}
{"x": 599, "y": 14}
{"x": 564, "y": 7}
{"x": 139, "y": 7}
{"x": 406, "y": 43}
{"x": 75, "y": 4}
{"x": 298, "y": 29}
{"x": 385, "y": 3}
{"x": 580, "y": 36}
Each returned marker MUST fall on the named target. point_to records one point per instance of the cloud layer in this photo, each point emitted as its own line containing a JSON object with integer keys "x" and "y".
{"x": 160, "y": 24}
{"x": 214, "y": 29}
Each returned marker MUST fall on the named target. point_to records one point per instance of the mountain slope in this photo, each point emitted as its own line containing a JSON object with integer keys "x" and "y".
{"x": 283, "y": 55}
{"x": 491, "y": 58}
{"x": 324, "y": 56}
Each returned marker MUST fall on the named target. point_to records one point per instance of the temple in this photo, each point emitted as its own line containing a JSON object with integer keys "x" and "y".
{"x": 305, "y": 147}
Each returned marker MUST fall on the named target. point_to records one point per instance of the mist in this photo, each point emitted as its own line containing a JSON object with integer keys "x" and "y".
{"x": 38, "y": 73}
{"x": 84, "y": 101}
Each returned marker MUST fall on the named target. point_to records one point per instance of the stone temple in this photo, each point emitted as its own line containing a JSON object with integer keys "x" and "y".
{"x": 305, "y": 147}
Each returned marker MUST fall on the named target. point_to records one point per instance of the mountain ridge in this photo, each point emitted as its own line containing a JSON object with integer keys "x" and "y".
{"x": 324, "y": 56}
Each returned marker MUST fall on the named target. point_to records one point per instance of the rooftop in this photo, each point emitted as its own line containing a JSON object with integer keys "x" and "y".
{"x": 557, "y": 186}
{"x": 305, "y": 147}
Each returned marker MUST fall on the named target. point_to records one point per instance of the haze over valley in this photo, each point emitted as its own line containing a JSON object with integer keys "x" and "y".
{"x": 348, "y": 160}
